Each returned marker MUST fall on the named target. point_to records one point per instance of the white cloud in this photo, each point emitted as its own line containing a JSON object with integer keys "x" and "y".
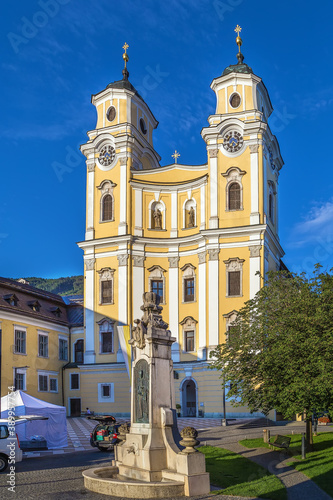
{"x": 317, "y": 225}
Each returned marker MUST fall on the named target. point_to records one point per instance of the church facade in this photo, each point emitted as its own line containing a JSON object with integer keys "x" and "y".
{"x": 197, "y": 235}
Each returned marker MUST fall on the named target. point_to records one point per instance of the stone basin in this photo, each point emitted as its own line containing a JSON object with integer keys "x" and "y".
{"x": 107, "y": 481}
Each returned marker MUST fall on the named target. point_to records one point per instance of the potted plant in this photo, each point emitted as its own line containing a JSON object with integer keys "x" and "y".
{"x": 323, "y": 420}
{"x": 178, "y": 408}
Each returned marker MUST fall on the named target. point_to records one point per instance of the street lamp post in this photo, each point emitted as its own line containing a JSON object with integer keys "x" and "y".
{"x": 224, "y": 421}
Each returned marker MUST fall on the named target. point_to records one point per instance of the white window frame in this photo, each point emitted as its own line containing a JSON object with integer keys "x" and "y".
{"x": 48, "y": 374}
{"x": 23, "y": 329}
{"x": 157, "y": 274}
{"x": 73, "y": 353}
{"x": 47, "y": 382}
{"x": 106, "y": 187}
{"x": 21, "y": 371}
{"x": 65, "y": 339}
{"x": 231, "y": 265}
{"x": 101, "y": 398}
{"x": 41, "y": 333}
{"x": 51, "y": 390}
{"x": 234, "y": 174}
{"x": 189, "y": 273}
{"x": 106, "y": 274}
{"x": 189, "y": 324}
{"x": 70, "y": 381}
{"x": 110, "y": 324}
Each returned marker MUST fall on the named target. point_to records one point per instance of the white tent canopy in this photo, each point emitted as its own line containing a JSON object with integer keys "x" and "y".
{"x": 54, "y": 430}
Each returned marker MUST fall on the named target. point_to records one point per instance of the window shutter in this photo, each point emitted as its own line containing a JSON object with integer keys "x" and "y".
{"x": 234, "y": 283}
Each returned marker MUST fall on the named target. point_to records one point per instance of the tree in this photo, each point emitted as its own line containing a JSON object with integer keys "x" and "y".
{"x": 280, "y": 352}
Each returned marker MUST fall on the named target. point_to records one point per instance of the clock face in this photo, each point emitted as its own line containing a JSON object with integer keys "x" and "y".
{"x": 233, "y": 141}
{"x": 106, "y": 155}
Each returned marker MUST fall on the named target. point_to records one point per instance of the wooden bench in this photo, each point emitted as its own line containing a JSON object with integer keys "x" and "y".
{"x": 281, "y": 442}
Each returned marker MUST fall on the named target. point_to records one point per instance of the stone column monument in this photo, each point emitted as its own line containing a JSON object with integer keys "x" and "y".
{"x": 148, "y": 462}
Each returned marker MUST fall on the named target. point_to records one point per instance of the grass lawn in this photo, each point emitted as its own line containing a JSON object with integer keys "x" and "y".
{"x": 318, "y": 464}
{"x": 239, "y": 476}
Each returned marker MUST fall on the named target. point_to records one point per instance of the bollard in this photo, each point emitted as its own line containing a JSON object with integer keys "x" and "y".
{"x": 267, "y": 435}
{"x": 303, "y": 446}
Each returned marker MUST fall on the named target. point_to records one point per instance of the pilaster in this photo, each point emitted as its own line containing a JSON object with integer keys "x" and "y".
{"x": 174, "y": 306}
{"x": 89, "y": 310}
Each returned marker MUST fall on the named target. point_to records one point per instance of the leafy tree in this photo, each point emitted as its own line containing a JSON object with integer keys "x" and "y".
{"x": 280, "y": 351}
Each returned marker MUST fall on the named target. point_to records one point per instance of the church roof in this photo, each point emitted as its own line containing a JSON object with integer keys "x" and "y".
{"x": 237, "y": 68}
{"x": 123, "y": 84}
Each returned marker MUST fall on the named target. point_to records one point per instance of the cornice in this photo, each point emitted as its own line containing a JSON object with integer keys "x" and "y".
{"x": 169, "y": 186}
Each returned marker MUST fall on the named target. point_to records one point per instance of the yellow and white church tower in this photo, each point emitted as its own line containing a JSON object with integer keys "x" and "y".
{"x": 195, "y": 234}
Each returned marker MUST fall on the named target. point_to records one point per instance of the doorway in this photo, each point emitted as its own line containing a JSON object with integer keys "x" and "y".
{"x": 189, "y": 398}
{"x": 75, "y": 407}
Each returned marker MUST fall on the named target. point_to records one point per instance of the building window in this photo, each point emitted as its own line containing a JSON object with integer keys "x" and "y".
{"x": 189, "y": 341}
{"x": 157, "y": 287}
{"x": 20, "y": 382}
{"x": 11, "y": 299}
{"x": 234, "y": 196}
{"x": 107, "y": 201}
{"x": 63, "y": 349}
{"x": 42, "y": 383}
{"x": 78, "y": 351}
{"x": 157, "y": 282}
{"x": 234, "y": 273}
{"x": 189, "y": 333}
{"x": 234, "y": 282}
{"x": 75, "y": 381}
{"x": 105, "y": 393}
{"x": 43, "y": 346}
{"x": 20, "y": 341}
{"x": 56, "y": 311}
{"x": 189, "y": 215}
{"x": 271, "y": 201}
{"x": 105, "y": 336}
{"x": 53, "y": 385}
{"x": 35, "y": 305}
{"x": 189, "y": 283}
{"x": 234, "y": 188}
{"x": 106, "y": 285}
{"x": 107, "y": 208}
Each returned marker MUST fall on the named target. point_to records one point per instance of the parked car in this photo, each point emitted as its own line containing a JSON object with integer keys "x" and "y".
{"x": 10, "y": 450}
{"x": 105, "y": 435}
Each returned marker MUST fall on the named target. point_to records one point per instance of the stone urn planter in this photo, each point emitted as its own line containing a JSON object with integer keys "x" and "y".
{"x": 189, "y": 435}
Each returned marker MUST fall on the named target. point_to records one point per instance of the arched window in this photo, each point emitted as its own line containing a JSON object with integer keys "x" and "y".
{"x": 234, "y": 196}
{"x": 78, "y": 351}
{"x": 107, "y": 201}
{"x": 107, "y": 208}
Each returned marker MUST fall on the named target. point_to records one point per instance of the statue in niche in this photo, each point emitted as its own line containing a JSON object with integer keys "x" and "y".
{"x": 157, "y": 218}
{"x": 141, "y": 392}
{"x": 191, "y": 217}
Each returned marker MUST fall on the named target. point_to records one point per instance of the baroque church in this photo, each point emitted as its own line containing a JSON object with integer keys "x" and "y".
{"x": 197, "y": 235}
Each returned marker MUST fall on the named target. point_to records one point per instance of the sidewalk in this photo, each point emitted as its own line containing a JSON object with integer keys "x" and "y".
{"x": 79, "y": 429}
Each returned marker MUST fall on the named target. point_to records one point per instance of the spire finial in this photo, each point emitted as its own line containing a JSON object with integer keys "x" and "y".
{"x": 239, "y": 42}
{"x": 126, "y": 58}
{"x": 176, "y": 155}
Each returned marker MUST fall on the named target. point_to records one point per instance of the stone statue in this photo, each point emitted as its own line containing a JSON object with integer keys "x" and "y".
{"x": 158, "y": 218}
{"x": 191, "y": 217}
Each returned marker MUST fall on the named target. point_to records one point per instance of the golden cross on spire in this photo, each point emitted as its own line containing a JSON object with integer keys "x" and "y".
{"x": 125, "y": 55}
{"x": 238, "y": 29}
{"x": 175, "y": 155}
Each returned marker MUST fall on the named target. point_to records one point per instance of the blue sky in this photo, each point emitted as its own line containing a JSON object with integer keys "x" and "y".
{"x": 56, "y": 53}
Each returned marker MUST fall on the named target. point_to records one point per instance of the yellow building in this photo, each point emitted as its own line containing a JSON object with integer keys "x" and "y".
{"x": 35, "y": 328}
{"x": 195, "y": 234}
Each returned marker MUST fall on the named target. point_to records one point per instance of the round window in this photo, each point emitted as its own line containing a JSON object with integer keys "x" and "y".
{"x": 111, "y": 113}
{"x": 143, "y": 126}
{"x": 235, "y": 100}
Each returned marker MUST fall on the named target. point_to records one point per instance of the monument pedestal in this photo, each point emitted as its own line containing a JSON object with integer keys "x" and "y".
{"x": 149, "y": 456}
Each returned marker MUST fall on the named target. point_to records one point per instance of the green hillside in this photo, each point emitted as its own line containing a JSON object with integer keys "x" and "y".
{"x": 72, "y": 285}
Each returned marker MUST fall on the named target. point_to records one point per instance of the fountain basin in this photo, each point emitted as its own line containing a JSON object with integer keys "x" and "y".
{"x": 107, "y": 481}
